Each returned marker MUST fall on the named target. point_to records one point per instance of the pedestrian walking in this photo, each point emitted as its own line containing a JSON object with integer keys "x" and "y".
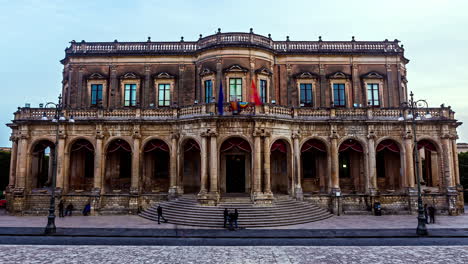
{"x": 69, "y": 210}
{"x": 226, "y": 215}
{"x": 160, "y": 215}
{"x": 87, "y": 209}
{"x": 432, "y": 214}
{"x": 61, "y": 207}
{"x": 236, "y": 216}
{"x": 425, "y": 214}
{"x": 231, "y": 217}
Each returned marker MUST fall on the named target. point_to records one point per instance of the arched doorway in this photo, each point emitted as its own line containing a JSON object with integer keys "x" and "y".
{"x": 280, "y": 168}
{"x": 351, "y": 167}
{"x": 81, "y": 166}
{"x": 191, "y": 171}
{"x": 156, "y": 166}
{"x": 236, "y": 164}
{"x": 118, "y": 167}
{"x": 314, "y": 166}
{"x": 41, "y": 164}
{"x": 388, "y": 163}
{"x": 428, "y": 164}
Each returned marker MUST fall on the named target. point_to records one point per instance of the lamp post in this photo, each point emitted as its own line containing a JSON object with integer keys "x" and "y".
{"x": 414, "y": 116}
{"x": 58, "y": 118}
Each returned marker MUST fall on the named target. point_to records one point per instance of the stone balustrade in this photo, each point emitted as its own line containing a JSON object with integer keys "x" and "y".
{"x": 234, "y": 39}
{"x": 266, "y": 110}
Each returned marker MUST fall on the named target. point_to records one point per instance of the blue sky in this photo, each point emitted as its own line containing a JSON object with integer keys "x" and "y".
{"x": 35, "y": 33}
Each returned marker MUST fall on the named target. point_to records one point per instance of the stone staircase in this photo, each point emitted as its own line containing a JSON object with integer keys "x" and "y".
{"x": 186, "y": 211}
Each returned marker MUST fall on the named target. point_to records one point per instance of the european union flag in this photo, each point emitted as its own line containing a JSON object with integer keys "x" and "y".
{"x": 220, "y": 99}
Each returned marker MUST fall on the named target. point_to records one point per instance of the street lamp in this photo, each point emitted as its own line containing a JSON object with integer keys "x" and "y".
{"x": 414, "y": 116}
{"x": 58, "y": 117}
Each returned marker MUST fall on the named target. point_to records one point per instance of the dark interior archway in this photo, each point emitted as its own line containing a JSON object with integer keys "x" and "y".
{"x": 41, "y": 164}
{"x": 351, "y": 167}
{"x": 156, "y": 166}
{"x": 388, "y": 165}
{"x": 191, "y": 171}
{"x": 429, "y": 164}
{"x": 118, "y": 166}
{"x": 235, "y": 152}
{"x": 81, "y": 168}
{"x": 279, "y": 167}
{"x": 314, "y": 166}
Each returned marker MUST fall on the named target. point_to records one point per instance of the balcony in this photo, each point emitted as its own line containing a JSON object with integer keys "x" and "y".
{"x": 251, "y": 111}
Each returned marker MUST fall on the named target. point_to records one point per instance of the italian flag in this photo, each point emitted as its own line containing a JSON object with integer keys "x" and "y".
{"x": 254, "y": 97}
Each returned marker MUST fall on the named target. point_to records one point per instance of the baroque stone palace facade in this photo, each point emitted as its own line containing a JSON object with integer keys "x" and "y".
{"x": 147, "y": 127}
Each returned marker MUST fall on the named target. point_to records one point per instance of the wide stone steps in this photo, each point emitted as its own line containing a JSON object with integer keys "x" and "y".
{"x": 186, "y": 211}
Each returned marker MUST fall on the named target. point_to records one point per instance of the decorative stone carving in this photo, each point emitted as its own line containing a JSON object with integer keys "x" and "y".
{"x": 373, "y": 75}
{"x": 306, "y": 75}
{"x": 339, "y": 75}
{"x": 236, "y": 68}
{"x": 130, "y": 75}
{"x": 164, "y": 75}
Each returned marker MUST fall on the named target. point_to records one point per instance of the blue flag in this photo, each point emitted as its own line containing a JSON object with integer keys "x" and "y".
{"x": 220, "y": 99}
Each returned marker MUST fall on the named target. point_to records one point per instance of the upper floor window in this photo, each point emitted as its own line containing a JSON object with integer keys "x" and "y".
{"x": 208, "y": 91}
{"x": 373, "y": 94}
{"x": 235, "y": 89}
{"x": 339, "y": 96}
{"x": 96, "y": 94}
{"x": 306, "y": 94}
{"x": 130, "y": 95}
{"x": 263, "y": 91}
{"x": 164, "y": 96}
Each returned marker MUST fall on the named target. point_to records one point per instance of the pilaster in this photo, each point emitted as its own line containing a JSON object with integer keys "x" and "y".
{"x": 14, "y": 153}
{"x": 173, "y": 190}
{"x": 297, "y": 165}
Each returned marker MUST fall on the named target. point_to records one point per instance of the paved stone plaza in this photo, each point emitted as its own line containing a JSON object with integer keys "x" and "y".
{"x": 202, "y": 254}
{"x": 337, "y": 222}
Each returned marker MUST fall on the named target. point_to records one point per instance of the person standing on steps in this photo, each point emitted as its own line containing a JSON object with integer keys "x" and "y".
{"x": 431, "y": 210}
{"x": 226, "y": 215}
{"x": 69, "y": 210}
{"x": 160, "y": 215}
{"x": 60, "y": 207}
{"x": 236, "y": 216}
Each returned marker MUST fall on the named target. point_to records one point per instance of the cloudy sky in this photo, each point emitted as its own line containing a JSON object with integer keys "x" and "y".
{"x": 34, "y": 34}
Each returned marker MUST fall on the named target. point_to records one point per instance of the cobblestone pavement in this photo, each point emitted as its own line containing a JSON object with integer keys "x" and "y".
{"x": 203, "y": 254}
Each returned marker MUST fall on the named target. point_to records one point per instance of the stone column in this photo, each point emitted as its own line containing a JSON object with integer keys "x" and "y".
{"x": 448, "y": 161}
{"x": 21, "y": 169}
{"x": 147, "y": 96}
{"x": 335, "y": 180}
{"x": 214, "y": 159}
{"x": 266, "y": 166}
{"x": 409, "y": 161}
{"x": 203, "y": 161}
{"x": 173, "y": 166}
{"x": 113, "y": 100}
{"x": 14, "y": 152}
{"x": 98, "y": 161}
{"x": 372, "y": 181}
{"x": 356, "y": 84}
{"x": 297, "y": 166}
{"x": 456, "y": 171}
{"x": 257, "y": 182}
{"x": 135, "y": 163}
{"x": 60, "y": 152}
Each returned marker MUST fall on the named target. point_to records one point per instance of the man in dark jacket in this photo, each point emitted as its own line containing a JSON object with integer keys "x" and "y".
{"x": 226, "y": 214}
{"x": 69, "y": 210}
{"x": 432, "y": 210}
{"x": 236, "y": 216}
{"x": 426, "y": 213}
{"x": 160, "y": 215}
{"x": 60, "y": 207}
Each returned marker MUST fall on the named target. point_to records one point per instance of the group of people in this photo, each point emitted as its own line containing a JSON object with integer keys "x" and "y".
{"x": 231, "y": 218}
{"x": 429, "y": 213}
{"x": 69, "y": 209}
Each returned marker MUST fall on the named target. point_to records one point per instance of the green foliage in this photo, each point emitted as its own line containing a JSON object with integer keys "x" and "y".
{"x": 463, "y": 166}
{"x": 4, "y": 170}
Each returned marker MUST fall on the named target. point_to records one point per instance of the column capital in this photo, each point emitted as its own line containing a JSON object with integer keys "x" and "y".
{"x": 23, "y": 136}
{"x": 209, "y": 133}
{"x": 295, "y": 135}
{"x": 136, "y": 134}
{"x": 261, "y": 132}
{"x": 175, "y": 135}
{"x": 14, "y": 138}
{"x": 371, "y": 135}
{"x": 454, "y": 137}
{"x": 334, "y": 135}
{"x": 445, "y": 136}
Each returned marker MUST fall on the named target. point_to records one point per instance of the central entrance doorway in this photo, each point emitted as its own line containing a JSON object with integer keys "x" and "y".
{"x": 235, "y": 173}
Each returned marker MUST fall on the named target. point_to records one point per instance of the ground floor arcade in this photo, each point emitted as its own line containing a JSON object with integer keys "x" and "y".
{"x": 133, "y": 171}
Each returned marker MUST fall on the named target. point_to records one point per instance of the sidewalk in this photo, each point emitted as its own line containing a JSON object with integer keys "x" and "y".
{"x": 338, "y": 226}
